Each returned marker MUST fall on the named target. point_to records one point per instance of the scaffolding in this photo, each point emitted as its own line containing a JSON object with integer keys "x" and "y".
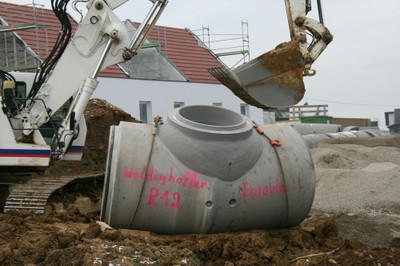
{"x": 15, "y": 54}
{"x": 225, "y": 44}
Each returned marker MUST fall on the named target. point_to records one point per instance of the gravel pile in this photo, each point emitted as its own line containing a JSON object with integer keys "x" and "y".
{"x": 358, "y": 178}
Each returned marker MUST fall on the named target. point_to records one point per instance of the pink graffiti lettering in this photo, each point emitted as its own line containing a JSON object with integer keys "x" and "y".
{"x": 262, "y": 191}
{"x": 152, "y": 195}
{"x": 165, "y": 197}
{"x": 188, "y": 180}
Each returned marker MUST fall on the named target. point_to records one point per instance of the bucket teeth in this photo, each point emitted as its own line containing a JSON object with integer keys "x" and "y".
{"x": 274, "y": 79}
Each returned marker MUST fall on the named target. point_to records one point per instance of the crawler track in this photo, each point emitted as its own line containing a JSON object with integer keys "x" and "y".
{"x": 33, "y": 195}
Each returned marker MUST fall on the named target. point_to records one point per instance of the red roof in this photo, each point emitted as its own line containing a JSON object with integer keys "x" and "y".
{"x": 42, "y": 40}
{"x": 186, "y": 52}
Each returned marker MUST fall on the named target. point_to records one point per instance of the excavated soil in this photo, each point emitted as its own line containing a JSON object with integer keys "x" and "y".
{"x": 100, "y": 116}
{"x": 355, "y": 218}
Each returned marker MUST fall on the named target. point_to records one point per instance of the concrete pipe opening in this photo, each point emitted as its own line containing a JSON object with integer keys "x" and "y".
{"x": 210, "y": 116}
{"x": 209, "y": 119}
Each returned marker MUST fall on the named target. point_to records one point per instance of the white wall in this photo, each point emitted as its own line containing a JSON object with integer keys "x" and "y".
{"x": 127, "y": 93}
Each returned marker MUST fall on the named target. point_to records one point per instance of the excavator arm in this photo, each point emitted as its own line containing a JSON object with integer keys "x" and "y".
{"x": 300, "y": 26}
{"x": 100, "y": 41}
{"x": 275, "y": 79}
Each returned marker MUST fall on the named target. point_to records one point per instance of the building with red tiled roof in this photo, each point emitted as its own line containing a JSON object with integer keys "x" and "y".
{"x": 175, "y": 54}
{"x": 186, "y": 52}
{"x": 179, "y": 47}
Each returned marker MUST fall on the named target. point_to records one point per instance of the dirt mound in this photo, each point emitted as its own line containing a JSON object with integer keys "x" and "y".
{"x": 69, "y": 239}
{"x": 100, "y": 116}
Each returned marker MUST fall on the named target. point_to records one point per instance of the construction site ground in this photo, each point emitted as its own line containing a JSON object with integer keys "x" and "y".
{"x": 355, "y": 218}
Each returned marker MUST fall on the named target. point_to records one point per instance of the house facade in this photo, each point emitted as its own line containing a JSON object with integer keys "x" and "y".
{"x": 145, "y": 99}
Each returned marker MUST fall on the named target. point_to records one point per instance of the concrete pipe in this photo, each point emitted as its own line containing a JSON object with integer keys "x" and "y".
{"x": 305, "y": 129}
{"x": 347, "y": 134}
{"x": 206, "y": 169}
{"x": 313, "y": 140}
{"x": 372, "y": 131}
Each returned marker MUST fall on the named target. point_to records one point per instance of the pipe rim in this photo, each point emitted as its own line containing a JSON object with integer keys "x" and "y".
{"x": 208, "y": 118}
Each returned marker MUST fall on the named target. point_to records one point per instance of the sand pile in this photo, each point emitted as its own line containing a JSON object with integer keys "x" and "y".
{"x": 354, "y": 178}
{"x": 358, "y": 183}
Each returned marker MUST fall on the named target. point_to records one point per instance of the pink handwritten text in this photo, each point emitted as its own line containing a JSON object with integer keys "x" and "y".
{"x": 188, "y": 180}
{"x": 262, "y": 191}
{"x": 169, "y": 199}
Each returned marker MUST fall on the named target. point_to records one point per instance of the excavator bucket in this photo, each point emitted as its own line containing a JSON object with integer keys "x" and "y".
{"x": 274, "y": 79}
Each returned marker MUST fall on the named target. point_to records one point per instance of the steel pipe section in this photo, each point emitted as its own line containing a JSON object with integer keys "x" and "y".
{"x": 313, "y": 140}
{"x": 306, "y": 128}
{"x": 207, "y": 169}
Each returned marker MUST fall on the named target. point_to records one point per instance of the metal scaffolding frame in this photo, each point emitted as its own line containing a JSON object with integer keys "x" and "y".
{"x": 15, "y": 54}
{"x": 226, "y": 44}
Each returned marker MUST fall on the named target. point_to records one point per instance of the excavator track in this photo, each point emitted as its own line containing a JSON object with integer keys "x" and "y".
{"x": 34, "y": 194}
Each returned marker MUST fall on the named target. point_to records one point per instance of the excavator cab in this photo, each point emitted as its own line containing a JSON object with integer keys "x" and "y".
{"x": 275, "y": 79}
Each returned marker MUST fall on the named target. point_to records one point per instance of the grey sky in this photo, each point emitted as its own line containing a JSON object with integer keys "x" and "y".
{"x": 358, "y": 73}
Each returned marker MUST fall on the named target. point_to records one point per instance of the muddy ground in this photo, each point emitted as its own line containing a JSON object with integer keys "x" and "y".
{"x": 362, "y": 234}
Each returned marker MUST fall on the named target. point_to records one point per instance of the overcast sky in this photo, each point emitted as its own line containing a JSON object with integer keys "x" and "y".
{"x": 357, "y": 75}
